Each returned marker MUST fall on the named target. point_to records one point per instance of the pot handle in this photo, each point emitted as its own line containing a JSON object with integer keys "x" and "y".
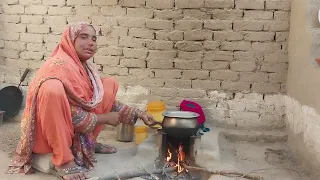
{"x": 24, "y": 75}
{"x": 156, "y": 123}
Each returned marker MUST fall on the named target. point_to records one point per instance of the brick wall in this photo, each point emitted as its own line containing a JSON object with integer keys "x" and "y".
{"x": 216, "y": 52}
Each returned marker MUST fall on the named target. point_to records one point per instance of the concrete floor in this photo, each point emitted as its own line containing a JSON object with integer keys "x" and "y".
{"x": 220, "y": 149}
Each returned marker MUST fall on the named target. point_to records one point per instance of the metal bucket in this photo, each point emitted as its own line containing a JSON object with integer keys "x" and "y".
{"x": 125, "y": 132}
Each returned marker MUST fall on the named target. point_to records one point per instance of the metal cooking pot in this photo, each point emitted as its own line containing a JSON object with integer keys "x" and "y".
{"x": 180, "y": 124}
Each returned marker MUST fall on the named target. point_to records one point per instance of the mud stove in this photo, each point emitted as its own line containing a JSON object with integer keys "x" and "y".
{"x": 178, "y": 150}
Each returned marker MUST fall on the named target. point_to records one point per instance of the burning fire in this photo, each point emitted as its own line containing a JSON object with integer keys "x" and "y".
{"x": 181, "y": 156}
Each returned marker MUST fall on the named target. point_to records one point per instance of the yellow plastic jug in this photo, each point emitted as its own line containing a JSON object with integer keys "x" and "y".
{"x": 140, "y": 133}
{"x": 156, "y": 108}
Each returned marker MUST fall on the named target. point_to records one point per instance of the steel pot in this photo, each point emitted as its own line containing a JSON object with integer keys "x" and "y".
{"x": 125, "y": 132}
{"x": 180, "y": 124}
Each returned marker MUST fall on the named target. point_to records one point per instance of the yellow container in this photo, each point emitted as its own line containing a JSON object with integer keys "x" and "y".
{"x": 156, "y": 108}
{"x": 140, "y": 133}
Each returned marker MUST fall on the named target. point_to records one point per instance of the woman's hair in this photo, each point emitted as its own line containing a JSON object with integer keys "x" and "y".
{"x": 76, "y": 27}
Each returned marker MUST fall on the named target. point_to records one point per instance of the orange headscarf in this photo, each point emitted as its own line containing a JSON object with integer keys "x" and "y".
{"x": 81, "y": 82}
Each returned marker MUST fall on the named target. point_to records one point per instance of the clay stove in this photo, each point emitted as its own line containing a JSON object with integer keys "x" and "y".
{"x": 177, "y": 150}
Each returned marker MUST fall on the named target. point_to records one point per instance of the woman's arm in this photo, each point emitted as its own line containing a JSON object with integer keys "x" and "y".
{"x": 84, "y": 121}
{"x": 128, "y": 115}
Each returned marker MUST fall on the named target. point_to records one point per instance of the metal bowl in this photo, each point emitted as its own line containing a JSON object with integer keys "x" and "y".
{"x": 180, "y": 124}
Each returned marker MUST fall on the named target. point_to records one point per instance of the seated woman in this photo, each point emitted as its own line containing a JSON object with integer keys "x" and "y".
{"x": 66, "y": 107}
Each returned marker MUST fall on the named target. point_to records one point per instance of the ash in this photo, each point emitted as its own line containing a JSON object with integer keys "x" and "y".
{"x": 184, "y": 175}
{"x": 176, "y": 176}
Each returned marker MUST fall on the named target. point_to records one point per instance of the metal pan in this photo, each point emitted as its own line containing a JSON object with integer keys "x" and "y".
{"x": 180, "y": 124}
{"x": 11, "y": 98}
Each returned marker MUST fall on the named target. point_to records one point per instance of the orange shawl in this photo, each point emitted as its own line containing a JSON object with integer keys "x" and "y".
{"x": 83, "y": 90}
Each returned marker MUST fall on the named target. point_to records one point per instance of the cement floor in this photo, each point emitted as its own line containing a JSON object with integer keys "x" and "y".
{"x": 271, "y": 158}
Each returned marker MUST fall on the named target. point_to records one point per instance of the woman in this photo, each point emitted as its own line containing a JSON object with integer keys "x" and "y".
{"x": 66, "y": 107}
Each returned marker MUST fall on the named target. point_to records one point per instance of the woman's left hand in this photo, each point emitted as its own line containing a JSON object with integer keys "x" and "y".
{"x": 147, "y": 119}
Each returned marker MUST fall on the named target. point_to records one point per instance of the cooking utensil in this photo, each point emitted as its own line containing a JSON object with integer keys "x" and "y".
{"x": 11, "y": 98}
{"x": 125, "y": 132}
{"x": 180, "y": 124}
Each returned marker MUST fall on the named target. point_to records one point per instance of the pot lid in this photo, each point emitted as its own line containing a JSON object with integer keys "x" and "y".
{"x": 180, "y": 114}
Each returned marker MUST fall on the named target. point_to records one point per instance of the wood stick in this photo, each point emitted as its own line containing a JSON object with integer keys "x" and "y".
{"x": 133, "y": 174}
{"x": 151, "y": 174}
{"x": 223, "y": 173}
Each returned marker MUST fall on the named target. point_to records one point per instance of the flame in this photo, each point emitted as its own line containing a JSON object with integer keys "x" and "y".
{"x": 181, "y": 157}
{"x": 169, "y": 156}
{"x": 181, "y": 154}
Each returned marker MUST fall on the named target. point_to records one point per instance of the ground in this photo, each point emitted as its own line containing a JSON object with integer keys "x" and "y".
{"x": 243, "y": 151}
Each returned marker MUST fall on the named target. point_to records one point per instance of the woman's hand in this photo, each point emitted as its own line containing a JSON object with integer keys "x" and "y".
{"x": 147, "y": 119}
{"x": 112, "y": 118}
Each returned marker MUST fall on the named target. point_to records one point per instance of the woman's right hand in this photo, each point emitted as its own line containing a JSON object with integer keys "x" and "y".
{"x": 112, "y": 118}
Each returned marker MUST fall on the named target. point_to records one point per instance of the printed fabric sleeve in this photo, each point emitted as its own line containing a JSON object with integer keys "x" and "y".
{"x": 83, "y": 121}
{"x": 128, "y": 115}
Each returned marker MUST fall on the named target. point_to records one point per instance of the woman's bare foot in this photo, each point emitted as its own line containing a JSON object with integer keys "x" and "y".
{"x": 77, "y": 175}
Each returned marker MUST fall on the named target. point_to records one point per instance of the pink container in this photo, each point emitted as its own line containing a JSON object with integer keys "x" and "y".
{"x": 193, "y": 107}
{"x": 1, "y": 117}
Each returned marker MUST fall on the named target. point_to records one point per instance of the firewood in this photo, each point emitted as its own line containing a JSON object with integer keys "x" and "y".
{"x": 223, "y": 173}
{"x": 138, "y": 173}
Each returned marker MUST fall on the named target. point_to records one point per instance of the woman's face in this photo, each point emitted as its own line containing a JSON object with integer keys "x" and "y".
{"x": 86, "y": 43}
